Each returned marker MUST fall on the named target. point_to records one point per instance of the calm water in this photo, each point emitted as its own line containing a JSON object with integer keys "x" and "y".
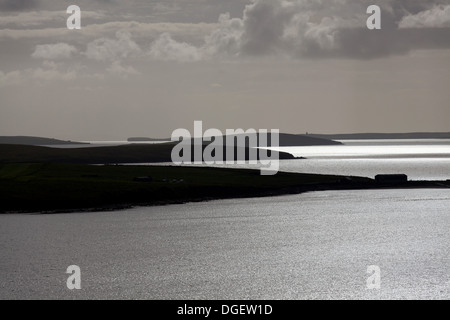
{"x": 415, "y": 168}
{"x": 420, "y": 159}
{"x": 315, "y": 245}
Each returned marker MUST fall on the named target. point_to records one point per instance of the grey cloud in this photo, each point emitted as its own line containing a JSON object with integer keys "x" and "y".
{"x": 17, "y": 5}
{"x": 39, "y": 19}
{"x": 145, "y": 32}
{"x": 44, "y": 74}
{"x": 50, "y": 71}
{"x": 9, "y": 78}
{"x": 334, "y": 28}
{"x": 331, "y": 28}
{"x": 117, "y": 69}
{"x": 54, "y": 51}
{"x": 288, "y": 28}
{"x": 165, "y": 48}
{"x": 107, "y": 49}
{"x": 437, "y": 17}
{"x": 226, "y": 39}
{"x": 265, "y": 24}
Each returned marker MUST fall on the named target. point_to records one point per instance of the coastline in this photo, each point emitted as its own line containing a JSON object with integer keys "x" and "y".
{"x": 273, "y": 193}
{"x": 65, "y": 188}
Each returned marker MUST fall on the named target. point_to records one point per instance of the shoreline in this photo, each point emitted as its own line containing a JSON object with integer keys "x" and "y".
{"x": 276, "y": 192}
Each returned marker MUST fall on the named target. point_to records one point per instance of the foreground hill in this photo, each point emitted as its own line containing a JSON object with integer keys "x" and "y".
{"x": 65, "y": 187}
{"x": 45, "y": 187}
{"x": 133, "y": 153}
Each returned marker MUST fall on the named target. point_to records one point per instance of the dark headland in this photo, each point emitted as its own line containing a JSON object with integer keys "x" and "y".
{"x": 144, "y": 139}
{"x": 34, "y": 149}
{"x": 44, "y": 179}
{"x": 35, "y": 141}
{"x": 133, "y": 153}
{"x": 47, "y": 187}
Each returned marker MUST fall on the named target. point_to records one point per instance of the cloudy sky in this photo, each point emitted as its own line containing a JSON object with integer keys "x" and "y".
{"x": 147, "y": 67}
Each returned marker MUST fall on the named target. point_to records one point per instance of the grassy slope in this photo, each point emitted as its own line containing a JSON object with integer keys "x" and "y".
{"x": 134, "y": 153}
{"x": 116, "y": 154}
{"x": 38, "y": 187}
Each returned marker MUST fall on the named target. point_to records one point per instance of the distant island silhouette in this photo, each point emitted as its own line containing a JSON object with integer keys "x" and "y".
{"x": 144, "y": 139}
{"x": 35, "y": 141}
{"x": 285, "y": 140}
{"x": 381, "y": 136}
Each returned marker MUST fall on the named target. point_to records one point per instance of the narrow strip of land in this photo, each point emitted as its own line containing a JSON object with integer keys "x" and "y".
{"x": 133, "y": 153}
{"x": 46, "y": 187}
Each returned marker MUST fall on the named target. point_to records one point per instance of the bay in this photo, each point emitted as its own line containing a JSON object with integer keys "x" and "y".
{"x": 309, "y": 246}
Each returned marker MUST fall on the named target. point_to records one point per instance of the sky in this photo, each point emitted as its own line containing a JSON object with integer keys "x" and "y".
{"x": 146, "y": 68}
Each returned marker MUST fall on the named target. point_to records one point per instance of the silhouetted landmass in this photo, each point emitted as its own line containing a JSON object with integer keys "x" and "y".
{"x": 380, "y": 136}
{"x": 295, "y": 140}
{"x": 34, "y": 141}
{"x": 44, "y": 187}
{"x": 39, "y": 187}
{"x": 299, "y": 140}
{"x": 134, "y": 153}
{"x": 285, "y": 140}
{"x": 143, "y": 139}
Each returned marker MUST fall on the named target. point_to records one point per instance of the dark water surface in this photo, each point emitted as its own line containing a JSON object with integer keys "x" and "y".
{"x": 314, "y": 245}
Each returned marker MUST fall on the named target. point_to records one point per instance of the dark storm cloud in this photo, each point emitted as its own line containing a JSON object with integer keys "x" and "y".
{"x": 18, "y": 5}
{"x": 336, "y": 28}
{"x": 290, "y": 28}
